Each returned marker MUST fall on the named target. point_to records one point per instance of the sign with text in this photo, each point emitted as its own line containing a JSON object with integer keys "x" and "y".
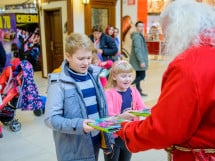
{"x": 21, "y": 29}
{"x": 27, "y": 18}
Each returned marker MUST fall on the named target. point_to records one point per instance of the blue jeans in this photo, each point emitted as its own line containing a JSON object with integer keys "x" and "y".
{"x": 120, "y": 152}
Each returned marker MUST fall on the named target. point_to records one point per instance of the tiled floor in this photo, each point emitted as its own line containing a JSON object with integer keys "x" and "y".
{"x": 34, "y": 141}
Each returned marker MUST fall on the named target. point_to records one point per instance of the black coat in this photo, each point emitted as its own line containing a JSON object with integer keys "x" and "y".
{"x": 108, "y": 45}
{"x": 2, "y": 56}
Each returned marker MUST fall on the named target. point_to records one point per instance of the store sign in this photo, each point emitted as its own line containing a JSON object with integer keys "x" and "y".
{"x": 23, "y": 30}
{"x": 5, "y": 22}
{"x": 26, "y": 18}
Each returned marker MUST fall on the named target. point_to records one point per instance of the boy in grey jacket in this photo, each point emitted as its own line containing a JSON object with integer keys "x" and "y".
{"x": 75, "y": 98}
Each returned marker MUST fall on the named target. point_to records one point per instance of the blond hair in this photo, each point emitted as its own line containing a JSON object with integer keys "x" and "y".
{"x": 120, "y": 66}
{"x": 76, "y": 41}
{"x": 95, "y": 58}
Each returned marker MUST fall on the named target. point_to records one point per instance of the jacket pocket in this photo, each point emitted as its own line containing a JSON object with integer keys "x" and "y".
{"x": 71, "y": 104}
{"x": 73, "y": 147}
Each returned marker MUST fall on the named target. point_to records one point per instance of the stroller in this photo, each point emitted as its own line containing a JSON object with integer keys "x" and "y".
{"x": 18, "y": 91}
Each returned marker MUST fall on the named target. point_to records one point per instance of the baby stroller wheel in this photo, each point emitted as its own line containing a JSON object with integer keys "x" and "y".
{"x": 15, "y": 125}
{"x": 38, "y": 112}
{"x": 5, "y": 123}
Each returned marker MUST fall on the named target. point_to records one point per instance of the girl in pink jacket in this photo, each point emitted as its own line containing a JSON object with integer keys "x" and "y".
{"x": 122, "y": 98}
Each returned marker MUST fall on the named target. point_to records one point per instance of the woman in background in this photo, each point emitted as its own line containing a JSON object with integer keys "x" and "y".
{"x": 109, "y": 31}
{"x": 127, "y": 29}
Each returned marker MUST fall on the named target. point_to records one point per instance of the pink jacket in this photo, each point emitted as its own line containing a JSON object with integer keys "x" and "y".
{"x": 114, "y": 101}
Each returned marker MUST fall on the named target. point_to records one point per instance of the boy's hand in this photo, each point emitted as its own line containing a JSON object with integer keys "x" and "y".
{"x": 86, "y": 127}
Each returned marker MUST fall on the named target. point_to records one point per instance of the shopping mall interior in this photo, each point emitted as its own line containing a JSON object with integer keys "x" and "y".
{"x": 50, "y": 21}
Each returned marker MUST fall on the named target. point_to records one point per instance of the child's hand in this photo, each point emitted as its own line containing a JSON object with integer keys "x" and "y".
{"x": 86, "y": 127}
{"x": 127, "y": 115}
{"x": 108, "y": 152}
{"x": 103, "y": 63}
{"x": 100, "y": 51}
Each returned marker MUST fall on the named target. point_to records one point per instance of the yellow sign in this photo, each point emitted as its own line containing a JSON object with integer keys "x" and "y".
{"x": 25, "y": 18}
{"x": 5, "y": 22}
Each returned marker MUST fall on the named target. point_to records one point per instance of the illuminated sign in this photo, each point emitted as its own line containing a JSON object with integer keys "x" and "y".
{"x": 26, "y": 18}
{"x": 5, "y": 22}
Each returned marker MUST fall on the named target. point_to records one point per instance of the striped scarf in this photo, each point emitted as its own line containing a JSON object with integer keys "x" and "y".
{"x": 89, "y": 94}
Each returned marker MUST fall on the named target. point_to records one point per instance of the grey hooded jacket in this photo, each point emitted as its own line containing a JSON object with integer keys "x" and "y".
{"x": 65, "y": 113}
{"x": 139, "y": 52}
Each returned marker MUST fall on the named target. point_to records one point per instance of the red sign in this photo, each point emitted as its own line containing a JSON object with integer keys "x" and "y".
{"x": 131, "y": 2}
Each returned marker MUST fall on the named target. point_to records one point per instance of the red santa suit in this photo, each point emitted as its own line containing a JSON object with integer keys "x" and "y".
{"x": 185, "y": 112}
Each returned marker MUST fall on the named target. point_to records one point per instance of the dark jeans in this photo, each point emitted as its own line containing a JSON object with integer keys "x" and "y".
{"x": 96, "y": 151}
{"x": 1, "y": 69}
{"x": 120, "y": 152}
{"x": 140, "y": 75}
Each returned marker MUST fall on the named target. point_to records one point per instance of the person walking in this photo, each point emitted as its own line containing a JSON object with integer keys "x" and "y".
{"x": 139, "y": 55}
